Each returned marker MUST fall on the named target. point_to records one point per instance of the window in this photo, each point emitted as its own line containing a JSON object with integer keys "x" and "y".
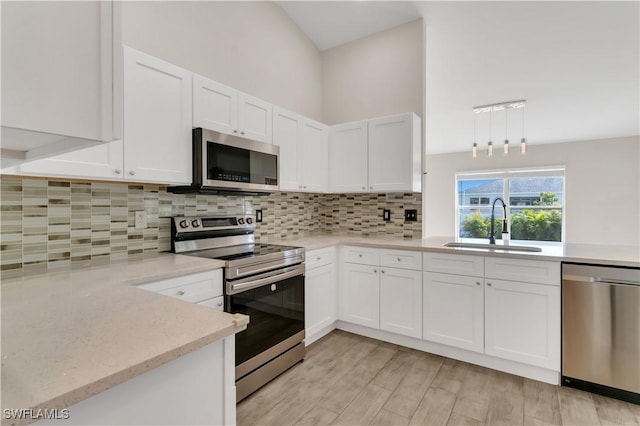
{"x": 534, "y": 198}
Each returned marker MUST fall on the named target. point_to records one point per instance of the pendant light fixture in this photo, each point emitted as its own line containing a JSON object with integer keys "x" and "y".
{"x": 490, "y": 144}
{"x": 523, "y": 141}
{"x": 506, "y": 131}
{"x": 506, "y": 106}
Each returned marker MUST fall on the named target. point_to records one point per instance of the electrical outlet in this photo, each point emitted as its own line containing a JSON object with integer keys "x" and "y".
{"x": 411, "y": 215}
{"x": 258, "y": 215}
{"x": 140, "y": 219}
{"x": 386, "y": 215}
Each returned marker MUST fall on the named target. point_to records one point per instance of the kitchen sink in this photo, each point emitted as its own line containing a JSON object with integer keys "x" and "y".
{"x": 493, "y": 247}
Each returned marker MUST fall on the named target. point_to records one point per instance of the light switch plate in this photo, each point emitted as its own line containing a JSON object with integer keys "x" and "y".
{"x": 386, "y": 215}
{"x": 140, "y": 219}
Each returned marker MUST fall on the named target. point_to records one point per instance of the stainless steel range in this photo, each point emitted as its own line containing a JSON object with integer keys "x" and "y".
{"x": 264, "y": 281}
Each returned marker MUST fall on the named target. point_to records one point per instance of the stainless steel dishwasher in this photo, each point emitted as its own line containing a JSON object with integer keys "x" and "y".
{"x": 601, "y": 330}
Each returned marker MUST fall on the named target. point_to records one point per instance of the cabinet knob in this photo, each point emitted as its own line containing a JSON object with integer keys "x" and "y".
{"x": 242, "y": 133}
{"x": 318, "y": 258}
{"x": 477, "y": 282}
{"x": 305, "y": 187}
{"x": 489, "y": 284}
{"x": 132, "y": 172}
{"x": 382, "y": 271}
{"x": 219, "y": 304}
{"x": 181, "y": 293}
{"x": 235, "y": 131}
{"x": 364, "y": 187}
{"x": 399, "y": 260}
{"x": 371, "y": 187}
{"x": 359, "y": 254}
{"x": 299, "y": 186}
{"x": 375, "y": 271}
{"x": 118, "y": 171}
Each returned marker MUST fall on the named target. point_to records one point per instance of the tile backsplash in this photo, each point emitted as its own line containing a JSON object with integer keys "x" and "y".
{"x": 49, "y": 224}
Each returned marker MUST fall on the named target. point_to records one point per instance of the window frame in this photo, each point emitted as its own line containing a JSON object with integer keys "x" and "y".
{"x": 506, "y": 175}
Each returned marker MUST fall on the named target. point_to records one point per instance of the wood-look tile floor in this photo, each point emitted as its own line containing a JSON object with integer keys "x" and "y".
{"x": 353, "y": 380}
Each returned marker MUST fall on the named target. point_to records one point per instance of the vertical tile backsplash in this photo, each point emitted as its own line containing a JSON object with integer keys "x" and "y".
{"x": 49, "y": 224}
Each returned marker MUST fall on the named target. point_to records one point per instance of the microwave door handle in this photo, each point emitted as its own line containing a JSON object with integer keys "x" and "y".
{"x": 250, "y": 285}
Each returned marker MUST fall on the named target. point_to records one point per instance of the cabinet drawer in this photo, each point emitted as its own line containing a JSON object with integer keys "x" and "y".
{"x": 531, "y": 271}
{"x": 192, "y": 288}
{"x": 458, "y": 264}
{"x": 317, "y": 258}
{"x": 401, "y": 259}
{"x": 216, "y": 303}
{"x": 362, "y": 255}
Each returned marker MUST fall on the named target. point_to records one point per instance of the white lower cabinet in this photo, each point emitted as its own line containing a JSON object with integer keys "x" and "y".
{"x": 381, "y": 297}
{"x": 401, "y": 301}
{"x": 522, "y": 322}
{"x": 454, "y": 310}
{"x": 517, "y": 319}
{"x": 320, "y": 294}
{"x": 359, "y": 294}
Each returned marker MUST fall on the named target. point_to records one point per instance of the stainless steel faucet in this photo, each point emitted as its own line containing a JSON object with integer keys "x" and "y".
{"x": 492, "y": 238}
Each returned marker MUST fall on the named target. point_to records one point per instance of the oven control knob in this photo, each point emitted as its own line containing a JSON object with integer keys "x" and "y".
{"x": 195, "y": 223}
{"x": 184, "y": 224}
{"x": 241, "y": 221}
{"x": 249, "y": 220}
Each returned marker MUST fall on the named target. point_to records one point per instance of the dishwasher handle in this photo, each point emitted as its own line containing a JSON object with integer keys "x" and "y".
{"x": 586, "y": 279}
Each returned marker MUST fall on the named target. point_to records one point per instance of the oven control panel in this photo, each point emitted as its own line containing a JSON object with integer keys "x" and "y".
{"x": 189, "y": 224}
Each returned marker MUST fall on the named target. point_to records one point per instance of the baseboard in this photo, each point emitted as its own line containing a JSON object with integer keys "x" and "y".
{"x": 507, "y": 366}
{"x": 310, "y": 338}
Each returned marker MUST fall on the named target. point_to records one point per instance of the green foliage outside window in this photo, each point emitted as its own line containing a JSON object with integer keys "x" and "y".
{"x": 527, "y": 224}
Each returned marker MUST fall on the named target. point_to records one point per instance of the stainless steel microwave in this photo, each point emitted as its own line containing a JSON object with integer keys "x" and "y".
{"x": 228, "y": 164}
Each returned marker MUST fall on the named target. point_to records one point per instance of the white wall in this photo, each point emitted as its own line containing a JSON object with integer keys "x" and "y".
{"x": 374, "y": 76}
{"x": 251, "y": 46}
{"x": 602, "y": 184}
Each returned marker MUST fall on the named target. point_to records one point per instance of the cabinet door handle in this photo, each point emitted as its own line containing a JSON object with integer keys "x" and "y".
{"x": 382, "y": 271}
{"x": 399, "y": 260}
{"x": 132, "y": 172}
{"x": 318, "y": 258}
{"x": 242, "y": 133}
{"x": 371, "y": 187}
{"x": 375, "y": 271}
{"x": 235, "y": 131}
{"x": 477, "y": 282}
{"x": 363, "y": 188}
{"x": 181, "y": 293}
{"x": 118, "y": 171}
{"x": 360, "y": 254}
{"x": 489, "y": 284}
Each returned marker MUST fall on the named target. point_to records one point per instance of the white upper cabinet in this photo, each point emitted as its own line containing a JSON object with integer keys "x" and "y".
{"x": 157, "y": 120}
{"x": 313, "y": 156}
{"x": 394, "y": 153}
{"x": 303, "y": 151}
{"x": 287, "y": 133}
{"x": 227, "y": 110}
{"x": 348, "y": 157}
{"x": 254, "y": 118}
{"x": 215, "y": 106}
{"x": 378, "y": 155}
{"x": 60, "y": 75}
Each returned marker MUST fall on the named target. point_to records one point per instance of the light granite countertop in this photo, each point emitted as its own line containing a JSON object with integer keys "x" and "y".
{"x": 72, "y": 334}
{"x": 581, "y": 253}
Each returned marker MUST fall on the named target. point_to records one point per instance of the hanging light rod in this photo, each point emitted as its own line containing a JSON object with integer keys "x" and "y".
{"x": 499, "y": 106}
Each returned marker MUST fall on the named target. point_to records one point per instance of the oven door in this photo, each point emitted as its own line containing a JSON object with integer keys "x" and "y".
{"x": 274, "y": 302}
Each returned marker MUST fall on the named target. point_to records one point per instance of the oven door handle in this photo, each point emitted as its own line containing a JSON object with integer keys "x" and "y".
{"x": 251, "y": 283}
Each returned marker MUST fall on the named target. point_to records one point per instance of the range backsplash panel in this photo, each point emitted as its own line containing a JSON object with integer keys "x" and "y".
{"x": 50, "y": 224}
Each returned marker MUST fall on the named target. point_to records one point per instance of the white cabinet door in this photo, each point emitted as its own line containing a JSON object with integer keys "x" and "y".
{"x": 348, "y": 157}
{"x": 320, "y": 299}
{"x": 287, "y": 131}
{"x": 394, "y": 153}
{"x": 215, "y": 106}
{"x": 454, "y": 310}
{"x": 157, "y": 120}
{"x": 359, "y": 295}
{"x": 57, "y": 68}
{"x": 401, "y": 301}
{"x": 313, "y": 158}
{"x": 522, "y": 322}
{"x": 254, "y": 118}
{"x": 101, "y": 162}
